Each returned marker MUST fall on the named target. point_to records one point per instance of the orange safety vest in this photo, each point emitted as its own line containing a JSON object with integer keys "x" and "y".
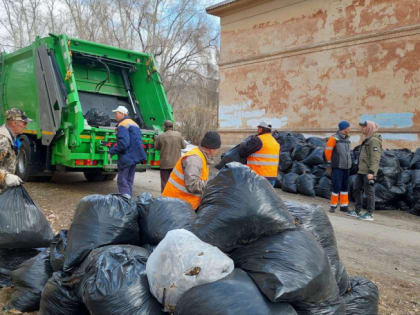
{"x": 175, "y": 187}
{"x": 265, "y": 162}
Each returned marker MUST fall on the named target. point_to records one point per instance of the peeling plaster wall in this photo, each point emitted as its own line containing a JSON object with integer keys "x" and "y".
{"x": 305, "y": 65}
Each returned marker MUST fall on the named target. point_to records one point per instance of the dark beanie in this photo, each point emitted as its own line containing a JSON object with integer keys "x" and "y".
{"x": 343, "y": 125}
{"x": 211, "y": 140}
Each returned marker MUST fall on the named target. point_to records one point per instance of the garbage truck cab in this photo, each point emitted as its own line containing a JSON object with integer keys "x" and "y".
{"x": 69, "y": 88}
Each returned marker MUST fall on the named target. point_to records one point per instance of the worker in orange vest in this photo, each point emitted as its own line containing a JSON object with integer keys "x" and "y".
{"x": 191, "y": 172}
{"x": 338, "y": 155}
{"x": 262, "y": 152}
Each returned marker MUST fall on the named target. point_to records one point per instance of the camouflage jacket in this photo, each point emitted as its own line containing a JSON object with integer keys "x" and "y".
{"x": 7, "y": 155}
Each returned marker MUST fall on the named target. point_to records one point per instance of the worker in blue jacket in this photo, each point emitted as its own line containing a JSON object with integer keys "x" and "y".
{"x": 129, "y": 149}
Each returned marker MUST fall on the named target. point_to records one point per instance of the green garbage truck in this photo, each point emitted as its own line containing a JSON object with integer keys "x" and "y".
{"x": 69, "y": 88}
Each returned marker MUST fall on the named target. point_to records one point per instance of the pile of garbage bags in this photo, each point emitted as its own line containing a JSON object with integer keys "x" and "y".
{"x": 302, "y": 170}
{"x": 244, "y": 251}
{"x": 24, "y": 230}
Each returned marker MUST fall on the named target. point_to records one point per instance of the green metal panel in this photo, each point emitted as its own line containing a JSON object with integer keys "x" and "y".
{"x": 76, "y": 140}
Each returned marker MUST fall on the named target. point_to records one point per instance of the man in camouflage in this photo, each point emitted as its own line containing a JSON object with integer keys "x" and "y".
{"x": 16, "y": 121}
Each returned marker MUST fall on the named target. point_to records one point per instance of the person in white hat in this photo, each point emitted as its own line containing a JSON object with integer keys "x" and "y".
{"x": 129, "y": 149}
{"x": 262, "y": 152}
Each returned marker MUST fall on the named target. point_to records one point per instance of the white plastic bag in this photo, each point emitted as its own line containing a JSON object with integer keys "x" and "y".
{"x": 182, "y": 261}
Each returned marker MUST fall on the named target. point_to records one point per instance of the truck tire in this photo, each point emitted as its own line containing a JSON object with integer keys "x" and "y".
{"x": 29, "y": 162}
{"x": 24, "y": 165}
{"x": 110, "y": 176}
{"x": 98, "y": 176}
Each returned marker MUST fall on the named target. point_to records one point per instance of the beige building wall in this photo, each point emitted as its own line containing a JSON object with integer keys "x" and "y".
{"x": 306, "y": 65}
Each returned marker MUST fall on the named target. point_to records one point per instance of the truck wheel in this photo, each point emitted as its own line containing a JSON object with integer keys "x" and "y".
{"x": 24, "y": 159}
{"x": 110, "y": 176}
{"x": 94, "y": 176}
{"x": 98, "y": 176}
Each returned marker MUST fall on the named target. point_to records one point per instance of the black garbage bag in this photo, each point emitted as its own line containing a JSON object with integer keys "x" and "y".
{"x": 403, "y": 205}
{"x": 100, "y": 220}
{"x": 415, "y": 178}
{"x": 279, "y": 180}
{"x": 316, "y": 142}
{"x": 405, "y": 177}
{"x": 59, "y": 297}
{"x": 278, "y": 136}
{"x": 285, "y": 161}
{"x": 289, "y": 183}
{"x": 362, "y": 298}
{"x": 57, "y": 250}
{"x": 29, "y": 280}
{"x": 96, "y": 118}
{"x": 300, "y": 168}
{"x": 22, "y": 223}
{"x": 236, "y": 294}
{"x": 389, "y": 159}
{"x": 305, "y": 185}
{"x": 334, "y": 306}
{"x": 355, "y": 154}
{"x": 289, "y": 140}
{"x": 323, "y": 189}
{"x": 10, "y": 259}
{"x": 382, "y": 205}
{"x": 404, "y": 156}
{"x": 316, "y": 157}
{"x": 313, "y": 219}
{"x": 289, "y": 267}
{"x": 114, "y": 281}
{"x": 383, "y": 194}
{"x": 398, "y": 190}
{"x": 238, "y": 207}
{"x": 415, "y": 161}
{"x": 160, "y": 215}
{"x": 301, "y": 151}
{"x": 231, "y": 156}
{"x": 319, "y": 170}
{"x": 389, "y": 176}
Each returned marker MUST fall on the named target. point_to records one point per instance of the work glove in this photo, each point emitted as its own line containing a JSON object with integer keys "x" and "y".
{"x": 13, "y": 180}
{"x": 328, "y": 170}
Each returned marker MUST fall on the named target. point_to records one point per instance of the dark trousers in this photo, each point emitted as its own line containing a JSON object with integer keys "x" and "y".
{"x": 340, "y": 188}
{"x": 362, "y": 185}
{"x": 340, "y": 180}
{"x": 125, "y": 179}
{"x": 164, "y": 176}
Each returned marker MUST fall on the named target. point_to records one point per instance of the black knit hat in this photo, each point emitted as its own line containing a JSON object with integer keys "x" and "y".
{"x": 211, "y": 140}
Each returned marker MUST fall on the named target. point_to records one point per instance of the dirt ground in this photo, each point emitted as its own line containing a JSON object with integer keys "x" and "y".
{"x": 387, "y": 251}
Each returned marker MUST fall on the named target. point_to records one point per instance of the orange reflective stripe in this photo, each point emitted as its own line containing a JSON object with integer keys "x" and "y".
{"x": 344, "y": 199}
{"x": 176, "y": 187}
{"x": 265, "y": 162}
{"x": 334, "y": 200}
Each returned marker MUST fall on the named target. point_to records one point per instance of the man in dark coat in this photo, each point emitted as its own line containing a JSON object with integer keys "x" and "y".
{"x": 129, "y": 149}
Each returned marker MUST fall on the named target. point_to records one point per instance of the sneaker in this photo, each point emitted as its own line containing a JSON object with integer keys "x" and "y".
{"x": 332, "y": 209}
{"x": 352, "y": 213}
{"x": 367, "y": 217}
{"x": 344, "y": 209}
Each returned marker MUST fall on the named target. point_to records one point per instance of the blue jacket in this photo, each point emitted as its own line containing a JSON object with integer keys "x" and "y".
{"x": 129, "y": 144}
